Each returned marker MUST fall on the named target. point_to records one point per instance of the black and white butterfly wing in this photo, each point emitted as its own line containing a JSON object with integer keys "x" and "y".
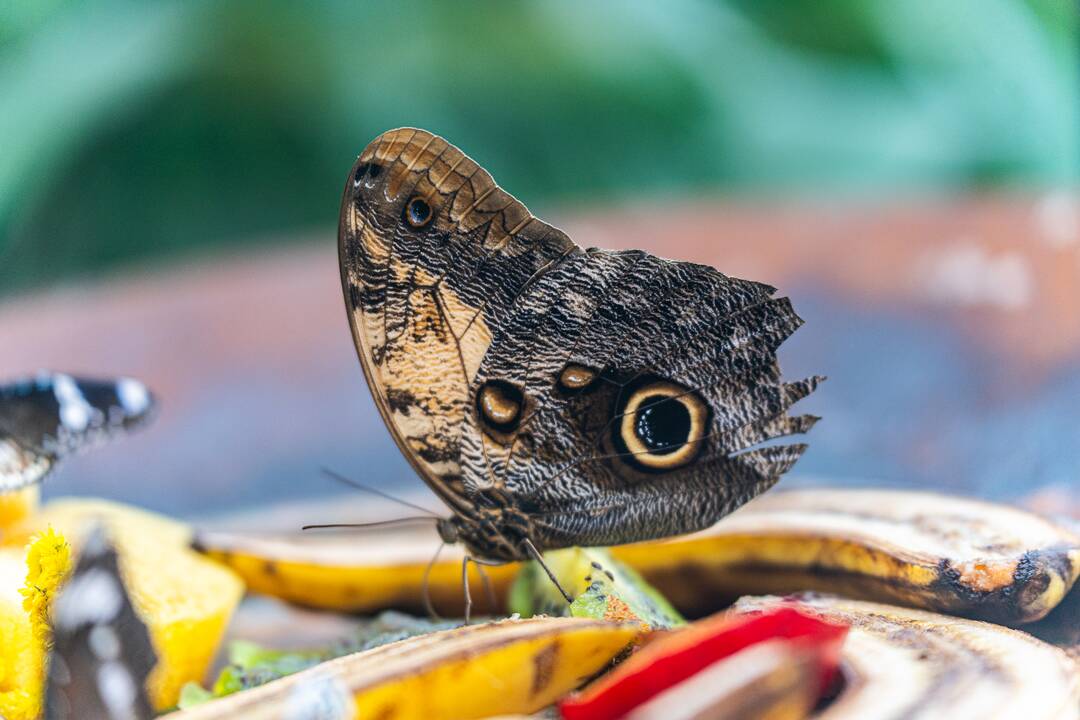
{"x": 45, "y": 418}
{"x": 101, "y": 653}
{"x": 645, "y": 387}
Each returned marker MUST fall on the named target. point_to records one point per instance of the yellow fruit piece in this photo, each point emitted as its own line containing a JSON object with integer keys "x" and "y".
{"x": 185, "y": 600}
{"x": 16, "y": 506}
{"x": 357, "y": 575}
{"x": 513, "y": 666}
{"x": 72, "y": 516}
{"x": 20, "y": 655}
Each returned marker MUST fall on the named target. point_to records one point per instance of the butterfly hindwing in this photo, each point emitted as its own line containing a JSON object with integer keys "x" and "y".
{"x": 691, "y": 342}
{"x": 101, "y": 653}
{"x": 49, "y": 416}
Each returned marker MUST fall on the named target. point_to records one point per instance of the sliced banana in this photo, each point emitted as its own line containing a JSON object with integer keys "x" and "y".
{"x": 911, "y": 664}
{"x": 360, "y": 573}
{"x": 476, "y": 671}
{"x": 917, "y": 549}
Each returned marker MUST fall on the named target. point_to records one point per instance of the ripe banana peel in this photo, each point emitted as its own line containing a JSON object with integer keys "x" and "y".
{"x": 904, "y": 663}
{"x": 916, "y": 549}
{"x": 251, "y": 665}
{"x": 476, "y": 671}
{"x": 1062, "y": 626}
{"x": 941, "y": 553}
{"x": 358, "y": 573}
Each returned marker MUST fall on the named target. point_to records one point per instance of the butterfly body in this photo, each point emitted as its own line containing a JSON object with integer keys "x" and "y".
{"x": 52, "y": 415}
{"x": 551, "y": 395}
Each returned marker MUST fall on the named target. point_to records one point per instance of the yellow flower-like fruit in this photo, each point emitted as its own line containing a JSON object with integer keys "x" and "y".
{"x": 185, "y": 599}
{"x": 25, "y": 636}
{"x": 48, "y": 562}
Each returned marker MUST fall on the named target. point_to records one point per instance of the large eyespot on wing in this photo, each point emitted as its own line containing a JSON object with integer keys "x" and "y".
{"x": 659, "y": 425}
{"x": 433, "y": 254}
{"x": 101, "y": 653}
{"x": 44, "y": 418}
{"x": 650, "y": 398}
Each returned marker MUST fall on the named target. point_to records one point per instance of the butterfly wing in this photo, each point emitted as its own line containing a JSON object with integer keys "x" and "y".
{"x": 52, "y": 415}
{"x": 433, "y": 254}
{"x": 645, "y": 387}
{"x": 101, "y": 653}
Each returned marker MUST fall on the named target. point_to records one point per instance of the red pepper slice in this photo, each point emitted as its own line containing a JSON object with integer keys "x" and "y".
{"x": 676, "y": 657}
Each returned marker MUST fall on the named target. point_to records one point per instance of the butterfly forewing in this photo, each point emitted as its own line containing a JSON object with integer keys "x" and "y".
{"x": 432, "y": 255}
{"x": 568, "y": 397}
{"x": 49, "y": 416}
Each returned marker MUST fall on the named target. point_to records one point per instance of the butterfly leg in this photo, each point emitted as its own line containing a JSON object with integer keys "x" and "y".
{"x": 427, "y": 587}
{"x": 540, "y": 559}
{"x": 465, "y": 587}
{"x": 480, "y": 563}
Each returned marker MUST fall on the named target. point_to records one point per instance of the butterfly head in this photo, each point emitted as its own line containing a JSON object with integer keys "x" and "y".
{"x": 448, "y": 530}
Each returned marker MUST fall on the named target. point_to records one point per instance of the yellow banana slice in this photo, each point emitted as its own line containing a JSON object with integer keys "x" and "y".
{"x": 918, "y": 549}
{"x": 358, "y": 573}
{"x": 476, "y": 671}
{"x": 911, "y": 664}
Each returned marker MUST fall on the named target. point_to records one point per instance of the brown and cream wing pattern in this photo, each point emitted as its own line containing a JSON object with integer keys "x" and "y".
{"x": 433, "y": 254}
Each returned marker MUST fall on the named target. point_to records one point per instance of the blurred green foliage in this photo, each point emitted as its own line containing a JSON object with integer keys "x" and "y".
{"x": 133, "y": 129}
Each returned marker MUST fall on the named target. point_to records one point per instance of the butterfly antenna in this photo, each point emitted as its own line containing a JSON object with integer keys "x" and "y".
{"x": 540, "y": 559}
{"x": 377, "y": 523}
{"x": 375, "y": 491}
{"x": 426, "y": 586}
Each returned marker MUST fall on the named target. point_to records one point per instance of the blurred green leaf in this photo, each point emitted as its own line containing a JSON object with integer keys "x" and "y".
{"x": 155, "y": 130}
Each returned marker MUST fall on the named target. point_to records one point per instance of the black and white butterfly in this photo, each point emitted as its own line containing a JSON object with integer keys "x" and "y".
{"x": 102, "y": 652}
{"x": 51, "y": 415}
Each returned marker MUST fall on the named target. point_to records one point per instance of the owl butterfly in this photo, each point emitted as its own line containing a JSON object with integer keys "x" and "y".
{"x": 45, "y": 418}
{"x": 554, "y": 396}
{"x": 101, "y": 653}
